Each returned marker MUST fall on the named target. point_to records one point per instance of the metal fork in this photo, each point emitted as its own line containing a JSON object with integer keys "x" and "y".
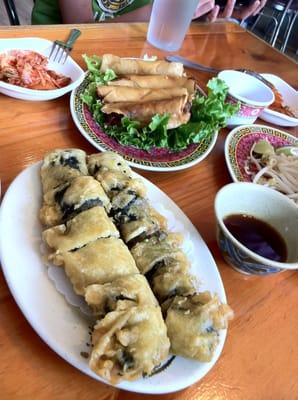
{"x": 62, "y": 49}
{"x": 204, "y": 68}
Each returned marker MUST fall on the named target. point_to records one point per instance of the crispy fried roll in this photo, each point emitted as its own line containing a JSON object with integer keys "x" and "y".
{"x": 193, "y": 323}
{"x": 86, "y": 227}
{"x": 125, "y": 66}
{"x": 100, "y": 261}
{"x": 155, "y": 82}
{"x": 155, "y": 252}
{"x": 117, "y": 94}
{"x": 146, "y": 225}
{"x": 144, "y": 112}
{"x": 107, "y": 161}
{"x": 78, "y": 195}
{"x": 173, "y": 279}
{"x": 61, "y": 166}
{"x": 129, "y": 344}
{"x": 125, "y": 292}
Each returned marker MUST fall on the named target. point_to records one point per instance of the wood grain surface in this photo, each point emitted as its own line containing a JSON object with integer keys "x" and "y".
{"x": 260, "y": 356}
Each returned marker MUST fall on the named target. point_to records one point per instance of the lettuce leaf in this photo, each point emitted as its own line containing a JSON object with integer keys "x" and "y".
{"x": 208, "y": 114}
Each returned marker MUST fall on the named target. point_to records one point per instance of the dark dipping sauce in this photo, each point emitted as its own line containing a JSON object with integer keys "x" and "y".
{"x": 257, "y": 236}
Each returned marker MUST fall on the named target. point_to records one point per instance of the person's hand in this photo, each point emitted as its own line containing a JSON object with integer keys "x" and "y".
{"x": 228, "y": 10}
{"x": 212, "y": 11}
{"x": 251, "y": 10}
{"x": 207, "y": 7}
{"x": 242, "y": 12}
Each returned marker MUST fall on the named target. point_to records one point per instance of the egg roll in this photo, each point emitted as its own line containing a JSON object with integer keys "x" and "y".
{"x": 129, "y": 344}
{"x": 127, "y": 66}
{"x": 178, "y": 119}
{"x": 117, "y": 94}
{"x": 144, "y": 112}
{"x": 155, "y": 82}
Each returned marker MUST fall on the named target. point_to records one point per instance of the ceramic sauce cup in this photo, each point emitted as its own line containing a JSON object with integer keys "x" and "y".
{"x": 252, "y": 94}
{"x": 268, "y": 206}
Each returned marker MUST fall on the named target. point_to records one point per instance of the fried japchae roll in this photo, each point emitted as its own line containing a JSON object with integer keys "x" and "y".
{"x": 157, "y": 251}
{"x": 121, "y": 294}
{"x": 142, "y": 223}
{"x": 130, "y": 210}
{"x": 114, "y": 174}
{"x": 137, "y": 210}
{"x": 193, "y": 324}
{"x": 114, "y": 181}
{"x": 173, "y": 279}
{"x": 121, "y": 200}
{"x": 159, "y": 255}
{"x": 130, "y": 337}
{"x": 107, "y": 161}
{"x": 116, "y": 177}
{"x": 126, "y": 66}
{"x": 66, "y": 201}
{"x": 85, "y": 227}
{"x": 60, "y": 166}
{"x": 117, "y": 94}
{"x": 129, "y": 344}
{"x": 139, "y": 229}
{"x": 100, "y": 261}
{"x": 143, "y": 112}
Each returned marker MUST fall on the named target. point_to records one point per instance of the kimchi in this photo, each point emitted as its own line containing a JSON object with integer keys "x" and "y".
{"x": 28, "y": 69}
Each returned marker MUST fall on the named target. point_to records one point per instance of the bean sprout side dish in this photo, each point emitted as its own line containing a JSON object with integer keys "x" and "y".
{"x": 274, "y": 167}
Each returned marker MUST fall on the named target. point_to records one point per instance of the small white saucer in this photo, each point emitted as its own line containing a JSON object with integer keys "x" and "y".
{"x": 290, "y": 97}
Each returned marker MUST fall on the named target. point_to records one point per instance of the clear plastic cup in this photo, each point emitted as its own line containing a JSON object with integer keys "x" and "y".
{"x": 169, "y": 23}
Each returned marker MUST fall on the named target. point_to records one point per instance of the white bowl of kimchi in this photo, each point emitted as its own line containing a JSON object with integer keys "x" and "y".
{"x": 26, "y": 72}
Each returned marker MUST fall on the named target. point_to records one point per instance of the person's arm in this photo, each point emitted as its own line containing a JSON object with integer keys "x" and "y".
{"x": 80, "y": 11}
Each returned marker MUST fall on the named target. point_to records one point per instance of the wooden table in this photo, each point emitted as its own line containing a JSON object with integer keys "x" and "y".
{"x": 260, "y": 357}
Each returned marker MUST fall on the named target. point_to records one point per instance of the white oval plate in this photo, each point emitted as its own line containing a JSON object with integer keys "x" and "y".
{"x": 87, "y": 126}
{"x": 290, "y": 97}
{"x": 43, "y": 46}
{"x": 63, "y": 327}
